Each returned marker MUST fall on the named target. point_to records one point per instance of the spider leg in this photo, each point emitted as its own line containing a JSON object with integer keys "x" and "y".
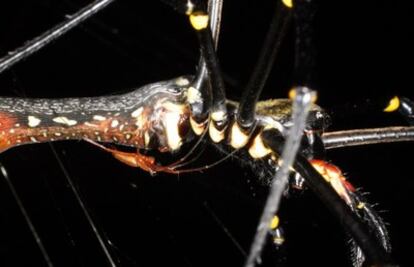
{"x": 301, "y": 107}
{"x": 209, "y": 74}
{"x": 302, "y": 99}
{"x": 206, "y": 94}
{"x": 246, "y": 111}
{"x": 373, "y": 251}
{"x": 136, "y": 159}
{"x": 54, "y": 33}
{"x": 353, "y": 198}
{"x": 333, "y": 175}
{"x": 332, "y": 194}
{"x": 357, "y": 137}
{"x": 277, "y": 30}
{"x": 375, "y": 224}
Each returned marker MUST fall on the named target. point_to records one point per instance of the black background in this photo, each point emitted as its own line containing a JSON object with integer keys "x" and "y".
{"x": 364, "y": 54}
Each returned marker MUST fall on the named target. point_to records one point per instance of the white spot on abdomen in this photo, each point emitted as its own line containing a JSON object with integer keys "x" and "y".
{"x": 171, "y": 122}
{"x": 137, "y": 112}
{"x": 114, "y": 123}
{"x": 65, "y": 120}
{"x": 33, "y": 121}
{"x": 90, "y": 125}
{"x": 99, "y": 118}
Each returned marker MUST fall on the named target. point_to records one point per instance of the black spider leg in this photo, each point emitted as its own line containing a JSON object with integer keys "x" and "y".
{"x": 359, "y": 137}
{"x": 209, "y": 71}
{"x": 207, "y": 91}
{"x": 366, "y": 212}
{"x": 304, "y": 12}
{"x": 301, "y": 106}
{"x": 202, "y": 95}
{"x": 373, "y": 251}
{"x": 274, "y": 37}
{"x": 56, "y": 32}
{"x": 214, "y": 11}
{"x": 302, "y": 100}
{"x": 304, "y": 65}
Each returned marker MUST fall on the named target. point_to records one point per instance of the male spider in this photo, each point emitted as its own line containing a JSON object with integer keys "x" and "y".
{"x": 102, "y": 171}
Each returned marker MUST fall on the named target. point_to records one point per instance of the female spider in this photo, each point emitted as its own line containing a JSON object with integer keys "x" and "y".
{"x": 212, "y": 182}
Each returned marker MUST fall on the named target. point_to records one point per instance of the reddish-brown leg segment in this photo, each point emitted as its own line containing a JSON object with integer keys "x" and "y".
{"x": 137, "y": 160}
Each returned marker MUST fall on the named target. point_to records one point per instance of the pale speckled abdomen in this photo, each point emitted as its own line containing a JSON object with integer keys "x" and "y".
{"x": 139, "y": 118}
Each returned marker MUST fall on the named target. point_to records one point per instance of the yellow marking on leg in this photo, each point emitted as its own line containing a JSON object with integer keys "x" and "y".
{"x": 238, "y": 138}
{"x": 275, "y": 222}
{"x": 218, "y": 116}
{"x": 258, "y": 150}
{"x": 199, "y": 20}
{"x": 292, "y": 95}
{"x": 393, "y": 105}
{"x": 288, "y": 3}
{"x": 216, "y": 135}
{"x": 198, "y": 128}
{"x": 360, "y": 205}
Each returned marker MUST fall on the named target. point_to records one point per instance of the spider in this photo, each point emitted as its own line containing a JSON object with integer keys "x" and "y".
{"x": 169, "y": 236}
